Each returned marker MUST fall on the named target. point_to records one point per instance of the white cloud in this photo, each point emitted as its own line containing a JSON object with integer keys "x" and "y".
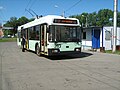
{"x": 1, "y": 7}
{"x": 56, "y": 6}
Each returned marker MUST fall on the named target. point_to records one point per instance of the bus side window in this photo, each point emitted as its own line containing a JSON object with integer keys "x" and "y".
{"x": 42, "y": 41}
{"x": 37, "y": 29}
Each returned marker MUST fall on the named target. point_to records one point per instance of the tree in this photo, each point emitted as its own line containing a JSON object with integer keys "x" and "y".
{"x": 82, "y": 18}
{"x": 102, "y": 18}
{"x": 118, "y": 21}
{"x": 14, "y": 22}
{"x": 22, "y": 20}
{"x": 92, "y": 18}
{"x": 31, "y": 19}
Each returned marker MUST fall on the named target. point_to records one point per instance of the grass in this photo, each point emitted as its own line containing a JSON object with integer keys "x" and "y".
{"x": 110, "y": 51}
{"x": 8, "y": 39}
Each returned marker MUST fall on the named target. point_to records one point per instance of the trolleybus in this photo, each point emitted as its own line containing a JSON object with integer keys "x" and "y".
{"x": 51, "y": 35}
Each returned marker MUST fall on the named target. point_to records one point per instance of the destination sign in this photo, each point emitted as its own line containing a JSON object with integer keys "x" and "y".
{"x": 65, "y": 21}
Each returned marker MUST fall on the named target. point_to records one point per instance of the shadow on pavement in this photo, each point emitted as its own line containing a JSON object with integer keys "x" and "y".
{"x": 66, "y": 57}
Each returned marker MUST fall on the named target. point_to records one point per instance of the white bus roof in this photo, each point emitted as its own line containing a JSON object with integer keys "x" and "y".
{"x": 49, "y": 20}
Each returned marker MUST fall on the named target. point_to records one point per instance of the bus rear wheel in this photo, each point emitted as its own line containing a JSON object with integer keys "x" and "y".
{"x": 37, "y": 50}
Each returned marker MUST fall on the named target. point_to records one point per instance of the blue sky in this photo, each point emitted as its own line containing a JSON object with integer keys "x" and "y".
{"x": 10, "y": 8}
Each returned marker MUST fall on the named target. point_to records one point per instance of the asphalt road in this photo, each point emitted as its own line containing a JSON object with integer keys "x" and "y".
{"x": 86, "y": 71}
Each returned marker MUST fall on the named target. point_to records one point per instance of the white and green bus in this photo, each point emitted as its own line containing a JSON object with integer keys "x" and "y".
{"x": 51, "y": 35}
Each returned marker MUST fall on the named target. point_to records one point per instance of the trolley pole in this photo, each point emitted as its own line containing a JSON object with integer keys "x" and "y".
{"x": 115, "y": 26}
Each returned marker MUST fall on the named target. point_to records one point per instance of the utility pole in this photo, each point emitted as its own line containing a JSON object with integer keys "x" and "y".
{"x": 63, "y": 13}
{"x": 115, "y": 26}
{"x": 86, "y": 21}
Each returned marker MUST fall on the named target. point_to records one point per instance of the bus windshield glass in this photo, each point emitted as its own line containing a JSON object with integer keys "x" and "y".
{"x": 64, "y": 34}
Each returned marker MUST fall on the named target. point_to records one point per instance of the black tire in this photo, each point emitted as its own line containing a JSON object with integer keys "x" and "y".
{"x": 37, "y": 50}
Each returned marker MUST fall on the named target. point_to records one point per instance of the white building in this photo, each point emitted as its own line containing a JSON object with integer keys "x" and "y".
{"x": 98, "y": 37}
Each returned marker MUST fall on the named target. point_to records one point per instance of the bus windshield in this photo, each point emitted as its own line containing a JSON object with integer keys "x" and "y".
{"x": 64, "y": 33}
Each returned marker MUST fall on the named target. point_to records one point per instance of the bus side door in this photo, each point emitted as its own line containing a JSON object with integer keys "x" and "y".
{"x": 43, "y": 40}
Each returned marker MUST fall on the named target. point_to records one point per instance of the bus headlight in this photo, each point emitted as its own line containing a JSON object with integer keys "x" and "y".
{"x": 77, "y": 49}
{"x": 55, "y": 51}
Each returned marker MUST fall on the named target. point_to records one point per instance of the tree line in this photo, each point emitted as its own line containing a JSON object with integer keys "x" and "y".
{"x": 103, "y": 17}
{"x": 14, "y": 22}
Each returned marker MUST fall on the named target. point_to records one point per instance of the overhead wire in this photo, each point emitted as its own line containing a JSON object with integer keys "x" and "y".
{"x": 31, "y": 3}
{"x": 2, "y": 15}
{"x": 1, "y": 18}
{"x": 73, "y": 6}
{"x": 27, "y": 6}
{"x": 29, "y": 12}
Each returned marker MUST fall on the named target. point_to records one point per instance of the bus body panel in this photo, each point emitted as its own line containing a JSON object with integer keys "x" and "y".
{"x": 64, "y": 46}
{"x": 32, "y": 44}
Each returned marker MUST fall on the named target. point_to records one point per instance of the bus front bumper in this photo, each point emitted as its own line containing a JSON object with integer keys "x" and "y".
{"x": 52, "y": 52}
